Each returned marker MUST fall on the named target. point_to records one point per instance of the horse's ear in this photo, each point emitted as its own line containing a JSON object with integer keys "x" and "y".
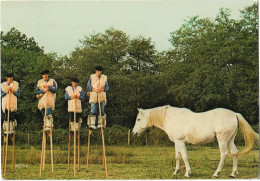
{"x": 139, "y": 110}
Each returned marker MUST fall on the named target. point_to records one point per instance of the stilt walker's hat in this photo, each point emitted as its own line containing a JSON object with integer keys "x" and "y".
{"x": 99, "y": 68}
{"x": 45, "y": 72}
{"x": 9, "y": 75}
{"x": 74, "y": 79}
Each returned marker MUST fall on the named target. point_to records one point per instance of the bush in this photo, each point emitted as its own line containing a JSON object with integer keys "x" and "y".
{"x": 117, "y": 135}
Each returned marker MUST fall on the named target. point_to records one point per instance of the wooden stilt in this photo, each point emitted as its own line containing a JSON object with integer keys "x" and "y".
{"x": 104, "y": 151}
{"x": 69, "y": 147}
{"x": 44, "y": 150}
{"x": 78, "y": 145}
{"x": 13, "y": 139}
{"x": 51, "y": 149}
{"x": 7, "y": 132}
{"x": 103, "y": 143}
{"x": 45, "y": 134}
{"x": 89, "y": 135}
{"x": 4, "y": 149}
{"x": 6, "y": 146}
{"x": 103, "y": 140}
{"x": 41, "y": 163}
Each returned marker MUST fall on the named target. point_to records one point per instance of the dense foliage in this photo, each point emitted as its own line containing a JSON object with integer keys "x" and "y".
{"x": 213, "y": 63}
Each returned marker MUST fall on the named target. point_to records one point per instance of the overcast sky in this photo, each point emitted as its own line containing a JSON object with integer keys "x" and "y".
{"x": 59, "y": 25}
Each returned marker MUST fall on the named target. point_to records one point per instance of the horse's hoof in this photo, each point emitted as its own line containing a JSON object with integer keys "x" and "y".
{"x": 87, "y": 170}
{"x": 214, "y": 176}
{"x": 175, "y": 172}
{"x": 232, "y": 176}
{"x": 187, "y": 175}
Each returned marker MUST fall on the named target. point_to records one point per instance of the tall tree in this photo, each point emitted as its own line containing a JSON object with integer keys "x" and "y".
{"x": 217, "y": 63}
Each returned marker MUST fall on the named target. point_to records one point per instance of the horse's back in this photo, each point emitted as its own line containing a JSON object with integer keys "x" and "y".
{"x": 212, "y": 116}
{"x": 202, "y": 127}
{"x": 221, "y": 117}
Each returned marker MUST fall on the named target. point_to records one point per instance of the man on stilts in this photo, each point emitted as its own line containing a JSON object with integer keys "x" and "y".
{"x": 74, "y": 95}
{"x": 97, "y": 86}
{"x": 46, "y": 93}
{"x": 9, "y": 92}
{"x": 13, "y": 87}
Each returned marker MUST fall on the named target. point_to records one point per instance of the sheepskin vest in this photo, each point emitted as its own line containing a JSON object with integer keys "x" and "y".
{"x": 71, "y": 103}
{"x": 98, "y": 83}
{"x": 48, "y": 97}
{"x": 13, "y": 98}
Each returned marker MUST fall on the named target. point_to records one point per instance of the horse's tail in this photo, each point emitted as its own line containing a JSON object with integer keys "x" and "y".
{"x": 250, "y": 136}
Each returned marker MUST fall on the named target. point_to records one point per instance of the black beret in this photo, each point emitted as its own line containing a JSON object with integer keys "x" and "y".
{"x": 74, "y": 79}
{"x": 99, "y": 68}
{"x": 9, "y": 75}
{"x": 45, "y": 72}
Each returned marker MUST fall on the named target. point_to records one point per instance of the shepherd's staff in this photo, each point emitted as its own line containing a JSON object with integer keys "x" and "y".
{"x": 74, "y": 137}
{"x": 103, "y": 139}
{"x": 13, "y": 139}
{"x": 78, "y": 145}
{"x": 44, "y": 143}
{"x": 8, "y": 125}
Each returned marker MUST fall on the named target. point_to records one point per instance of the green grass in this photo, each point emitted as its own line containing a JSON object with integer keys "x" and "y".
{"x": 129, "y": 162}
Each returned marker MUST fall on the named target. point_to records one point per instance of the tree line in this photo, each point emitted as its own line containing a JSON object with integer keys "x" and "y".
{"x": 212, "y": 63}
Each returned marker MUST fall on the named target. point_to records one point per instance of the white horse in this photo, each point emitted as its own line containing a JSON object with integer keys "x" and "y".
{"x": 184, "y": 126}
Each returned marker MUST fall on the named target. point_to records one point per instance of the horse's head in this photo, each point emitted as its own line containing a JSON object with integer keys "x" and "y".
{"x": 141, "y": 121}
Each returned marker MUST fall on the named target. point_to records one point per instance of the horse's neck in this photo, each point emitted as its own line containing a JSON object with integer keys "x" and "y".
{"x": 157, "y": 117}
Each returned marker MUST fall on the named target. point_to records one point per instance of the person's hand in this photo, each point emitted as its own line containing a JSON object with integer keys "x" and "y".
{"x": 11, "y": 89}
{"x": 38, "y": 96}
{"x": 72, "y": 97}
{"x": 100, "y": 89}
{"x": 95, "y": 90}
{"x": 45, "y": 89}
{"x": 88, "y": 94}
{"x": 76, "y": 96}
{"x": 46, "y": 86}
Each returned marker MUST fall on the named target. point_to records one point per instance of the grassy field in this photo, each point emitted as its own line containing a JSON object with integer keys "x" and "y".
{"x": 129, "y": 162}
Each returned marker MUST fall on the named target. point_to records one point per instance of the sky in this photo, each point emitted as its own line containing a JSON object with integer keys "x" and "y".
{"x": 59, "y": 25}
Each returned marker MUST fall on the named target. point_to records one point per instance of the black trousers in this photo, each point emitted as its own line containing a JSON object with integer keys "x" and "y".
{"x": 71, "y": 116}
{"x": 11, "y": 114}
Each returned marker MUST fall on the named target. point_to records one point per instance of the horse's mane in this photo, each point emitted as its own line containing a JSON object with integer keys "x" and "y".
{"x": 157, "y": 116}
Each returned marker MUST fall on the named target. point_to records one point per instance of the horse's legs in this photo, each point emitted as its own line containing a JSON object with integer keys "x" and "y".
{"x": 223, "y": 155}
{"x": 233, "y": 149}
{"x": 177, "y": 159}
{"x": 182, "y": 149}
